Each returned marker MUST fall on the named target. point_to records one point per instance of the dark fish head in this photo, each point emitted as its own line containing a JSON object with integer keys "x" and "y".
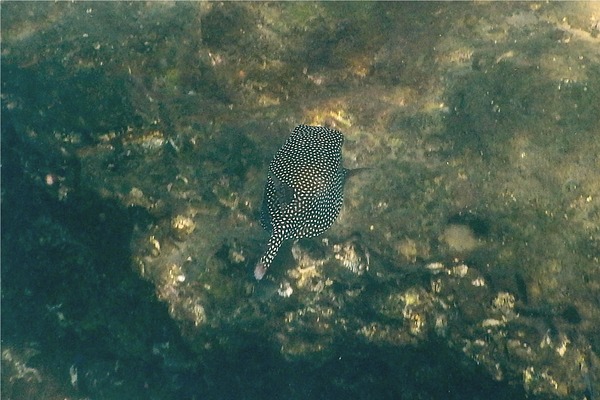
{"x": 304, "y": 190}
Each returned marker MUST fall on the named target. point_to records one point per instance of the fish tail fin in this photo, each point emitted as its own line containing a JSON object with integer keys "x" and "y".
{"x": 260, "y": 270}
{"x": 265, "y": 261}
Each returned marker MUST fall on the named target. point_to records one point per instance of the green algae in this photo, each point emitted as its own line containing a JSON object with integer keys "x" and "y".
{"x": 462, "y": 112}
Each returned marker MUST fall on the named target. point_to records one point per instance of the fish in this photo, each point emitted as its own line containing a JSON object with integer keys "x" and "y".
{"x": 304, "y": 191}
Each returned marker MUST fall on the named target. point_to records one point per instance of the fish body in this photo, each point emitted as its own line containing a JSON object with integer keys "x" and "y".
{"x": 304, "y": 191}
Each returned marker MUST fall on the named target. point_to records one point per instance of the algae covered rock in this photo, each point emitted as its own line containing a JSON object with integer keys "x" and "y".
{"x": 135, "y": 143}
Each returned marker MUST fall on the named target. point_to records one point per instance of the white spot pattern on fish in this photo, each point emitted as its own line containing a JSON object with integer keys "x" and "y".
{"x": 304, "y": 191}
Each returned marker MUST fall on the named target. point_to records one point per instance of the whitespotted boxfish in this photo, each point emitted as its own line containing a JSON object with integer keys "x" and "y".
{"x": 304, "y": 190}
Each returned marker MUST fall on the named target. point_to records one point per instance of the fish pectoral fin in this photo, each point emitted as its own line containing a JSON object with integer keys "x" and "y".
{"x": 350, "y": 173}
{"x": 284, "y": 192}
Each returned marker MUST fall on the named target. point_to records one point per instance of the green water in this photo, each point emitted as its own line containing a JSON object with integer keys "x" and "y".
{"x": 135, "y": 143}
